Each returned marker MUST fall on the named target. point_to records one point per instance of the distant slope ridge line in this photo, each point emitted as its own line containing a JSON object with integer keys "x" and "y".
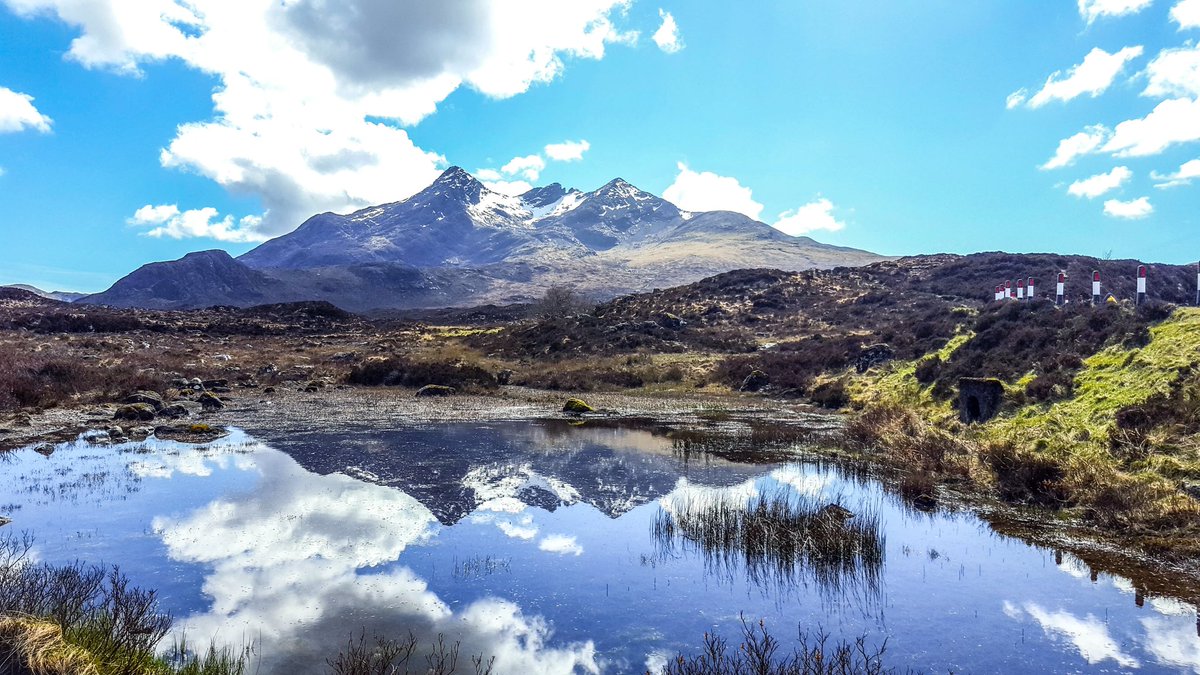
{"x": 459, "y": 243}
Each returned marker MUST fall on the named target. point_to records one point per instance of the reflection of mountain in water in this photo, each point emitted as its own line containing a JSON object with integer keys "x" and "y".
{"x": 452, "y": 470}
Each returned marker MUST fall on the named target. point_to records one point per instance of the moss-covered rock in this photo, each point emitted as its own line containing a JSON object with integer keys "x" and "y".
{"x": 578, "y": 406}
{"x": 211, "y": 401}
{"x": 434, "y": 390}
{"x": 141, "y": 412}
{"x": 150, "y": 398}
{"x": 755, "y": 381}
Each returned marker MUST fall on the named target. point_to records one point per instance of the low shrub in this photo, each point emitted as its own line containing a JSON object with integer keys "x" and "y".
{"x": 401, "y": 371}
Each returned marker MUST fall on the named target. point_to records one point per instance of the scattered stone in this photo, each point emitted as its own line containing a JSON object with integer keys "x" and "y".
{"x": 435, "y": 390}
{"x": 979, "y": 398}
{"x": 174, "y": 411}
{"x": 835, "y": 513}
{"x": 505, "y": 376}
{"x": 669, "y": 320}
{"x": 44, "y": 449}
{"x": 269, "y": 390}
{"x": 755, "y": 381}
{"x": 210, "y": 401}
{"x": 873, "y": 355}
{"x": 23, "y": 420}
{"x": 140, "y": 432}
{"x": 143, "y": 412}
{"x": 210, "y": 384}
{"x": 577, "y": 406}
{"x": 4, "y": 521}
{"x": 190, "y": 433}
{"x": 150, "y": 398}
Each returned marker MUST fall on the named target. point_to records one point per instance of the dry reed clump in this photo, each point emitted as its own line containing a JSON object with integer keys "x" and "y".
{"x": 782, "y": 538}
{"x": 37, "y": 647}
{"x": 759, "y": 653}
{"x": 921, "y": 453}
{"x": 387, "y": 656}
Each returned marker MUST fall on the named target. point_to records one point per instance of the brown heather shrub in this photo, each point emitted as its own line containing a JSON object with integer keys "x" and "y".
{"x": 1025, "y": 476}
{"x": 402, "y": 371}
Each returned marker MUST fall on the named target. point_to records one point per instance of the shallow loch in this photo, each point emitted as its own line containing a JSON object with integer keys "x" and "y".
{"x": 556, "y": 548}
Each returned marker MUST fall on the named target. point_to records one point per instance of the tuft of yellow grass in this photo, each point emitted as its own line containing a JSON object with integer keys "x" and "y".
{"x": 40, "y": 648}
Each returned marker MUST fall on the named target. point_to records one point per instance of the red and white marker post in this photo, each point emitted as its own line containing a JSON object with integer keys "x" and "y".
{"x": 1096, "y": 287}
{"x": 1020, "y": 289}
{"x": 1141, "y": 284}
{"x": 1029, "y": 289}
{"x": 1060, "y": 295}
{"x": 999, "y": 295}
{"x": 1008, "y": 290}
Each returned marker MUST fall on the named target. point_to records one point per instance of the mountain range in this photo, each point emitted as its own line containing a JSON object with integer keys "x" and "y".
{"x": 62, "y": 296}
{"x": 458, "y": 243}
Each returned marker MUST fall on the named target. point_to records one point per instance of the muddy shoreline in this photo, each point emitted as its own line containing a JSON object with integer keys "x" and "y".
{"x": 273, "y": 417}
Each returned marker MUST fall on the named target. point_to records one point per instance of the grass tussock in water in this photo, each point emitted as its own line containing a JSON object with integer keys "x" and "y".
{"x": 88, "y": 620}
{"x": 760, "y": 653}
{"x": 782, "y": 538}
{"x": 387, "y": 656}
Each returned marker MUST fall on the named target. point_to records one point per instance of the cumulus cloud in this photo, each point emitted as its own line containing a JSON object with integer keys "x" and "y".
{"x": 560, "y": 544}
{"x": 817, "y": 215}
{"x": 667, "y": 36}
{"x": 567, "y": 151}
{"x": 1100, "y": 183}
{"x": 1092, "y": 77}
{"x": 323, "y": 551}
{"x": 17, "y": 113}
{"x": 166, "y": 220}
{"x": 1187, "y": 172}
{"x": 707, "y": 191}
{"x": 1015, "y": 99}
{"x": 1186, "y": 13}
{"x": 1091, "y": 10}
{"x": 511, "y": 188}
{"x": 1130, "y": 210}
{"x": 529, "y": 167}
{"x": 1174, "y": 73}
{"x": 1089, "y": 635}
{"x": 310, "y": 91}
{"x": 1082, "y": 143}
{"x": 1171, "y": 122}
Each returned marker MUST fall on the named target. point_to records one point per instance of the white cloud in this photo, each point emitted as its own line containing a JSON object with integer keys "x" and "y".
{"x": 1092, "y": 77}
{"x": 310, "y": 91}
{"x": 168, "y": 221}
{"x": 1187, "y": 14}
{"x": 1188, "y": 171}
{"x": 817, "y": 215}
{"x": 1089, "y": 635}
{"x": 560, "y": 544}
{"x": 324, "y": 551}
{"x": 1130, "y": 210}
{"x": 1080, "y": 144}
{"x": 1016, "y": 98}
{"x": 567, "y": 151}
{"x": 17, "y": 113}
{"x": 1100, "y": 183}
{"x": 1174, "y": 73}
{"x": 1172, "y": 121}
{"x": 508, "y": 187}
{"x": 1091, "y": 10}
{"x": 707, "y": 191}
{"x": 667, "y": 36}
{"x": 529, "y": 167}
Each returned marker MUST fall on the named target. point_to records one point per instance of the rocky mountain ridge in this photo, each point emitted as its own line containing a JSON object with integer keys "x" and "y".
{"x": 458, "y": 243}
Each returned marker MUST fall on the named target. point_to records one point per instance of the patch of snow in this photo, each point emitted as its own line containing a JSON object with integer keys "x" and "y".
{"x": 377, "y": 243}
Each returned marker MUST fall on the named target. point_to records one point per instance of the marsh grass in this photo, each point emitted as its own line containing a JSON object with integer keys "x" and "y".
{"x": 760, "y": 653}
{"x": 86, "y": 619}
{"x": 778, "y": 539}
{"x": 389, "y": 656}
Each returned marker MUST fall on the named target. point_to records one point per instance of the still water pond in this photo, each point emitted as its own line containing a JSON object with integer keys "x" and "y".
{"x": 542, "y": 544}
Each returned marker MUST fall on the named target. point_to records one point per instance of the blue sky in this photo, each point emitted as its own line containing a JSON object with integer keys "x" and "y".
{"x": 134, "y": 132}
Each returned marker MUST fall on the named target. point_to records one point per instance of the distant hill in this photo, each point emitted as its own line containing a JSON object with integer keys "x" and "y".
{"x": 457, "y": 243}
{"x": 62, "y": 296}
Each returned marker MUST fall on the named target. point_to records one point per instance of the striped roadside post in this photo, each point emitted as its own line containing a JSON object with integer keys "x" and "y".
{"x": 1020, "y": 289}
{"x": 1061, "y": 291}
{"x": 1141, "y": 284}
{"x": 1029, "y": 289}
{"x": 1096, "y": 287}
